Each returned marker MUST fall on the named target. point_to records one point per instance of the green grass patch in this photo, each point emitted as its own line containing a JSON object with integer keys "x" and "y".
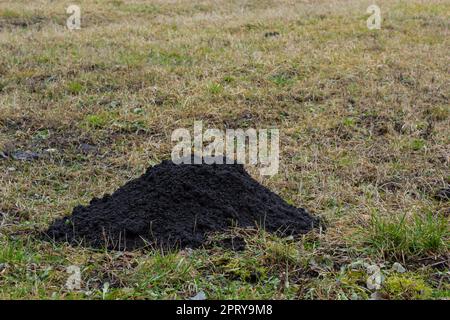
{"x": 215, "y": 88}
{"x": 96, "y": 120}
{"x": 75, "y": 87}
{"x": 397, "y": 237}
{"x": 417, "y": 144}
{"x": 282, "y": 79}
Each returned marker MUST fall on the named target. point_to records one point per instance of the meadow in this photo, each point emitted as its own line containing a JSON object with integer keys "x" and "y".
{"x": 364, "y": 129}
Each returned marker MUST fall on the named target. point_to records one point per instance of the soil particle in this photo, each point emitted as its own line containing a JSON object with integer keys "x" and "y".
{"x": 20, "y": 155}
{"x": 177, "y": 206}
{"x": 87, "y": 148}
{"x": 25, "y": 155}
{"x": 443, "y": 194}
{"x": 271, "y": 34}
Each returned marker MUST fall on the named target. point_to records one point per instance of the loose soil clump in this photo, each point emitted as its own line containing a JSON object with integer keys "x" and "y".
{"x": 177, "y": 206}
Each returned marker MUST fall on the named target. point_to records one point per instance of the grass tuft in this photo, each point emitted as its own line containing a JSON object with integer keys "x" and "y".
{"x": 399, "y": 237}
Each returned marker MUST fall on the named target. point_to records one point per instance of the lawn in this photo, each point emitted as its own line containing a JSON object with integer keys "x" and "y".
{"x": 364, "y": 140}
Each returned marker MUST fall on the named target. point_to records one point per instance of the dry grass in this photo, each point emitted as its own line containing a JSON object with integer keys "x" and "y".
{"x": 363, "y": 117}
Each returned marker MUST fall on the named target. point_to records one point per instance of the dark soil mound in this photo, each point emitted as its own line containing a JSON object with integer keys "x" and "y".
{"x": 177, "y": 205}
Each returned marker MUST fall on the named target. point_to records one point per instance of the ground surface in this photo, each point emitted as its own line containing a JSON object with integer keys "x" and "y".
{"x": 363, "y": 117}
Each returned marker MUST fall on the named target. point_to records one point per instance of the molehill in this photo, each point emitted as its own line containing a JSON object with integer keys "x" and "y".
{"x": 177, "y": 206}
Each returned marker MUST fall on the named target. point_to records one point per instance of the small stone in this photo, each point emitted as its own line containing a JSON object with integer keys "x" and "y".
{"x": 376, "y": 296}
{"x": 114, "y": 104}
{"x": 25, "y": 155}
{"x": 375, "y": 279}
{"x": 87, "y": 148}
{"x": 105, "y": 289}
{"x": 398, "y": 268}
{"x": 199, "y": 296}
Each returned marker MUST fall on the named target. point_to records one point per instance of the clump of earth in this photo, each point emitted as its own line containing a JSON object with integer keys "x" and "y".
{"x": 178, "y": 205}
